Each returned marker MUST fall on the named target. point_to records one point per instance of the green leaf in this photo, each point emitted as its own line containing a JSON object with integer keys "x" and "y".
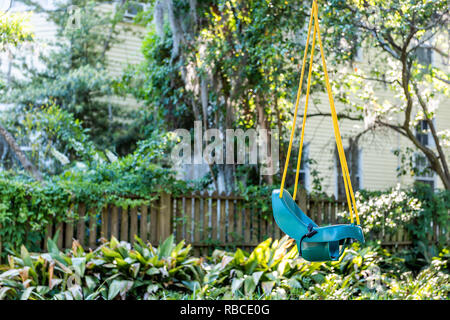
{"x": 249, "y": 285}
{"x": 192, "y": 285}
{"x": 52, "y": 247}
{"x": 267, "y": 286}
{"x": 236, "y": 284}
{"x": 165, "y": 248}
{"x": 26, "y": 294}
{"x": 24, "y": 254}
{"x": 114, "y": 288}
{"x": 79, "y": 265}
{"x": 90, "y": 282}
{"x": 3, "y": 292}
{"x": 152, "y": 271}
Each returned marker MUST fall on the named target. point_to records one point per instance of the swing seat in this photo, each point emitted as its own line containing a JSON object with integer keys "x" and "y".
{"x": 314, "y": 243}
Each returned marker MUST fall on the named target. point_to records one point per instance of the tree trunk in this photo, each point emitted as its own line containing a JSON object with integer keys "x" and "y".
{"x": 26, "y": 164}
{"x": 262, "y": 121}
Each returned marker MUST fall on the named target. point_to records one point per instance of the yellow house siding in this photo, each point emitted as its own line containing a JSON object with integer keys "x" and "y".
{"x": 378, "y": 162}
{"x": 127, "y": 51}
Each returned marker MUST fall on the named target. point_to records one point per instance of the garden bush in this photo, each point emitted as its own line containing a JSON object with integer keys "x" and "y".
{"x": 27, "y": 206}
{"x": 273, "y": 270}
{"x": 417, "y": 210}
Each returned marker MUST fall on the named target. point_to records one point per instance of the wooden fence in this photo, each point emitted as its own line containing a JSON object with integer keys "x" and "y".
{"x": 206, "y": 221}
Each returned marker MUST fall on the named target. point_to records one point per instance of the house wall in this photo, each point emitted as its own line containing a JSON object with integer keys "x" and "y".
{"x": 126, "y": 52}
{"x": 378, "y": 162}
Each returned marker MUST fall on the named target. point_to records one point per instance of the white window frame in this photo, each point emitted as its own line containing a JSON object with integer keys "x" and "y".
{"x": 306, "y": 169}
{"x": 430, "y": 144}
{"x": 128, "y": 17}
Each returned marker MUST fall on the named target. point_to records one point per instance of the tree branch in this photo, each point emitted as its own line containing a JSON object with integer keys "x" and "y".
{"x": 26, "y": 164}
{"x": 339, "y": 115}
{"x": 433, "y": 133}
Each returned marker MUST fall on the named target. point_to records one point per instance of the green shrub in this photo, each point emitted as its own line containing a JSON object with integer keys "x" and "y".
{"x": 273, "y": 270}
{"x": 417, "y": 210}
{"x": 114, "y": 270}
{"x": 27, "y": 207}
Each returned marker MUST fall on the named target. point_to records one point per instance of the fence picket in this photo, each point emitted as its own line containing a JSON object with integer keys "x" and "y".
{"x": 92, "y": 229}
{"x": 115, "y": 222}
{"x": 143, "y": 231}
{"x": 239, "y": 221}
{"x": 206, "y": 218}
{"x": 48, "y": 234}
{"x": 68, "y": 234}
{"x": 178, "y": 219}
{"x": 104, "y": 223}
{"x": 247, "y": 226}
{"x": 214, "y": 216}
{"x": 133, "y": 224}
{"x": 124, "y": 224}
{"x": 81, "y": 224}
{"x": 223, "y": 221}
{"x": 197, "y": 221}
{"x": 153, "y": 221}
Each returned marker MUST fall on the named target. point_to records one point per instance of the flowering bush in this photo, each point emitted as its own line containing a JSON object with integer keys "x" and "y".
{"x": 384, "y": 213}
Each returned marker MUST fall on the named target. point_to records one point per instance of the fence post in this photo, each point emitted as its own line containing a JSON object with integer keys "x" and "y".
{"x": 302, "y": 199}
{"x": 164, "y": 225}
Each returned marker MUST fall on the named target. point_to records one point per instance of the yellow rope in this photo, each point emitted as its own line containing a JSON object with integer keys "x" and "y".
{"x": 342, "y": 158}
{"x": 296, "y": 105}
{"x": 345, "y": 172}
{"x": 300, "y": 150}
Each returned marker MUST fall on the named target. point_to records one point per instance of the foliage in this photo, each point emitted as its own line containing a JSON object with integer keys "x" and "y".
{"x": 383, "y": 213}
{"x": 27, "y": 207}
{"x": 119, "y": 270}
{"x": 14, "y": 29}
{"x": 230, "y": 64}
{"x": 435, "y": 208}
{"x": 54, "y": 137}
{"x": 73, "y": 72}
{"x": 392, "y": 34}
{"x": 113, "y": 271}
{"x": 416, "y": 210}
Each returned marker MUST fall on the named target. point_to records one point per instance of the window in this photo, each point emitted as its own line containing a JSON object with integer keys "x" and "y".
{"x": 133, "y": 9}
{"x": 423, "y": 172}
{"x": 354, "y": 162}
{"x": 424, "y": 55}
{"x": 422, "y": 133}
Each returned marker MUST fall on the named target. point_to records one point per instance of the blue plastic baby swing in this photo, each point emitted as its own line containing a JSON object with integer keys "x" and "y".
{"x": 315, "y": 243}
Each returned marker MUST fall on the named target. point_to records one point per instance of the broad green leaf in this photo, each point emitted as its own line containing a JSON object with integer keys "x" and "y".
{"x": 249, "y": 285}
{"x": 26, "y": 294}
{"x": 114, "y": 289}
{"x": 192, "y": 285}
{"x": 152, "y": 271}
{"x": 267, "y": 286}
{"x": 79, "y": 265}
{"x": 165, "y": 248}
{"x": 256, "y": 276}
{"x": 236, "y": 284}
